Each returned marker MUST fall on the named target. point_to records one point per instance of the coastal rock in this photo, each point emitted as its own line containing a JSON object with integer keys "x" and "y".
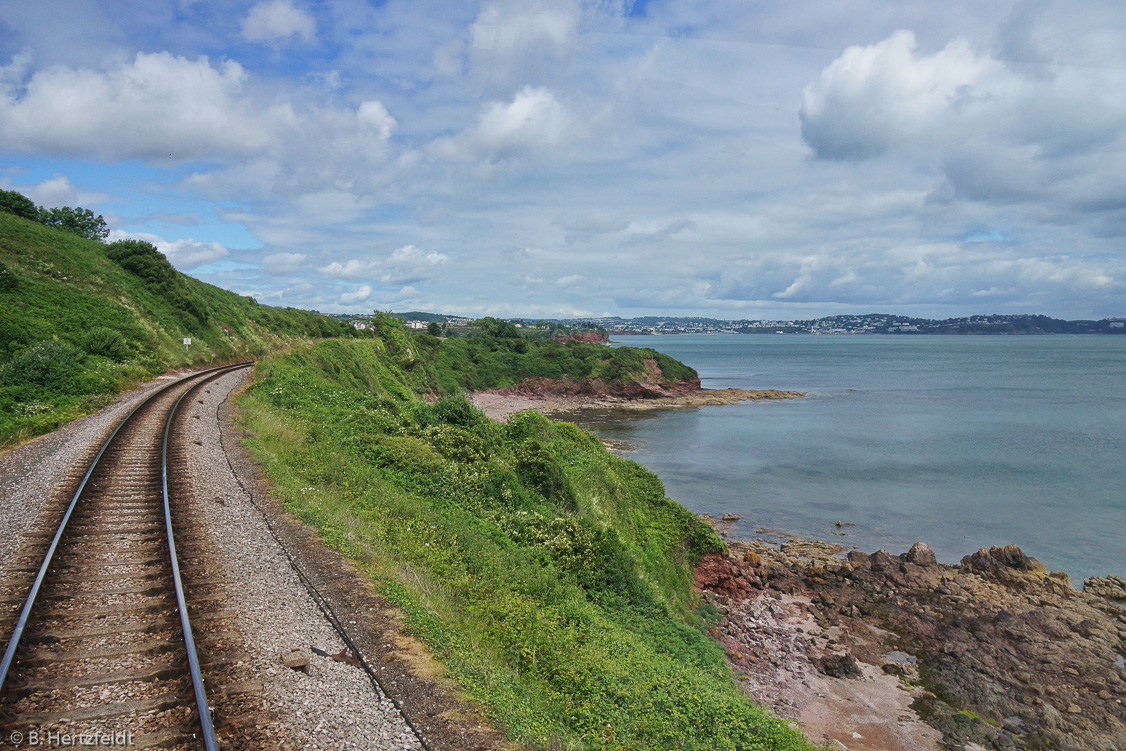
{"x": 882, "y": 560}
{"x": 1008, "y": 651}
{"x": 840, "y": 666}
{"x": 995, "y": 560}
{"x": 716, "y": 574}
{"x": 921, "y": 555}
{"x": 1110, "y": 587}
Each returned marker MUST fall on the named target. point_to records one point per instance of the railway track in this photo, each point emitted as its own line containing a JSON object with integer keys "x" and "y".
{"x": 101, "y": 646}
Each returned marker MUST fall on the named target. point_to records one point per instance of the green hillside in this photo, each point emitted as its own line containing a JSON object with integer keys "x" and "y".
{"x": 553, "y": 579}
{"x": 80, "y": 321}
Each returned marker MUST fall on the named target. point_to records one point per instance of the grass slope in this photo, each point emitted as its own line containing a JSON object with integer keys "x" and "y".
{"x": 552, "y": 578}
{"x": 77, "y": 327}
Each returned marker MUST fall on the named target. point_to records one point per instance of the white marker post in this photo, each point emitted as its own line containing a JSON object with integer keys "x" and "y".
{"x": 187, "y": 343}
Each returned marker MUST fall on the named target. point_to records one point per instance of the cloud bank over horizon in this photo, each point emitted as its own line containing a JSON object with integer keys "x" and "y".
{"x": 565, "y": 158}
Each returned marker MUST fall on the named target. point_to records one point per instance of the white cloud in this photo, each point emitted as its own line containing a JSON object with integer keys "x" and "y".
{"x": 997, "y": 130}
{"x": 168, "y": 109}
{"x": 569, "y": 281}
{"x": 405, "y": 265}
{"x": 533, "y": 123}
{"x": 662, "y": 233}
{"x": 353, "y": 268}
{"x": 278, "y": 21}
{"x": 57, "y": 191}
{"x": 360, "y": 294}
{"x": 534, "y": 120}
{"x": 374, "y": 115}
{"x": 285, "y": 262}
{"x": 514, "y": 28}
{"x": 871, "y": 98}
{"x": 159, "y": 106}
{"x": 515, "y": 41}
{"x": 408, "y": 265}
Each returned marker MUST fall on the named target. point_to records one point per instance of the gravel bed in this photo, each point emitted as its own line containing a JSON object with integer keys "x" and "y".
{"x": 332, "y": 705}
{"x": 243, "y": 572}
{"x": 40, "y": 472}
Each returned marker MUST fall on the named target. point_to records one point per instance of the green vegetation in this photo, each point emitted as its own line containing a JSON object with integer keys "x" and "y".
{"x": 18, "y": 204}
{"x": 81, "y": 321}
{"x": 78, "y": 221}
{"x": 552, "y": 578}
{"x": 499, "y": 362}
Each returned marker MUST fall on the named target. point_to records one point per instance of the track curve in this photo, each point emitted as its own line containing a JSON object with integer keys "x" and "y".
{"x": 102, "y": 643}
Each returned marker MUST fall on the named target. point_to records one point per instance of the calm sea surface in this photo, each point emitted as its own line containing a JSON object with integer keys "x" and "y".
{"x": 959, "y": 441}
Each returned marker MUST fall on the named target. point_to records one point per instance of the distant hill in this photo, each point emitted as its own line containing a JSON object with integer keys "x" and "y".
{"x": 81, "y": 321}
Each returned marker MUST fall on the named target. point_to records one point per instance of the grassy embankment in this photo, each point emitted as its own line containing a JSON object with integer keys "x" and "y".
{"x": 553, "y": 579}
{"x": 81, "y": 321}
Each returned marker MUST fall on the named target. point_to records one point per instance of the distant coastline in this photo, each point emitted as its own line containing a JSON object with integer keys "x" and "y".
{"x": 982, "y": 325}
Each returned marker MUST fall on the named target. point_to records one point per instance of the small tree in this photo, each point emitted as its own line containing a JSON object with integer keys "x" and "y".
{"x": 490, "y": 326}
{"x": 78, "y": 220}
{"x": 434, "y": 328}
{"x": 18, "y": 204}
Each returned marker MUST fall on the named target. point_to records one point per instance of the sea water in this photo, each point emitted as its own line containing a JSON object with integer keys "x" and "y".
{"x": 962, "y": 442}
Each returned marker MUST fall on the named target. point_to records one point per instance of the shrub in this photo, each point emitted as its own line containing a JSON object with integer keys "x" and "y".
{"x": 107, "y": 343}
{"x": 8, "y": 281}
{"x": 50, "y": 364}
{"x": 539, "y": 470}
{"x": 458, "y": 410}
{"x": 18, "y": 204}
{"x": 142, "y": 259}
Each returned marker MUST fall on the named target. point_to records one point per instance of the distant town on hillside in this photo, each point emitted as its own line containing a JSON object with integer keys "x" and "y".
{"x": 875, "y": 323}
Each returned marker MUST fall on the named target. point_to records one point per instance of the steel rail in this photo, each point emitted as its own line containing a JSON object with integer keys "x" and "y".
{"x": 21, "y": 624}
{"x": 207, "y": 727}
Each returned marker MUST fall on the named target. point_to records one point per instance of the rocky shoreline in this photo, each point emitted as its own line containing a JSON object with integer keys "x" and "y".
{"x": 860, "y": 649}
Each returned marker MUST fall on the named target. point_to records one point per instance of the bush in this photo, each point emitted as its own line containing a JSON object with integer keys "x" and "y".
{"x": 142, "y": 259}
{"x": 18, "y": 204}
{"x": 458, "y": 410}
{"x": 107, "y": 343}
{"x": 539, "y": 470}
{"x": 495, "y": 327}
{"x": 8, "y": 281}
{"x": 50, "y": 364}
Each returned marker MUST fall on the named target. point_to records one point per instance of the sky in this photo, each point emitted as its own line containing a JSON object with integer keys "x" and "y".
{"x": 570, "y": 158}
